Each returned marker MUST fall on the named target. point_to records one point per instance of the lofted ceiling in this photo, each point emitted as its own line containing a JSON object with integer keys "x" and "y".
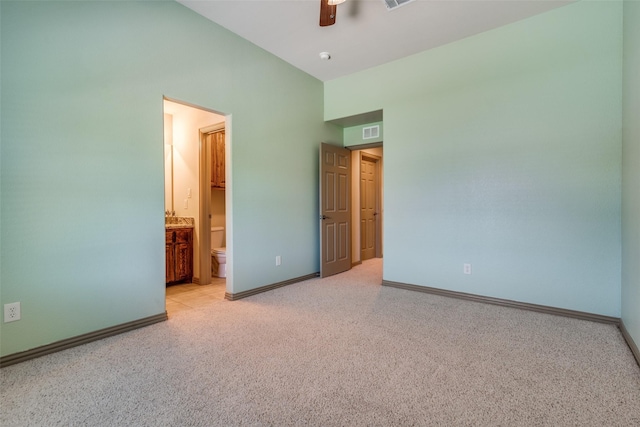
{"x": 365, "y": 34}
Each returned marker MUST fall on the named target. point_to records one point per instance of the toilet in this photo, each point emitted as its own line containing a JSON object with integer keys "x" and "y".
{"x": 218, "y": 253}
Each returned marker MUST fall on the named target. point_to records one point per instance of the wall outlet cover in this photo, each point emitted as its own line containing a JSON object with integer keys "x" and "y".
{"x": 467, "y": 268}
{"x": 11, "y": 312}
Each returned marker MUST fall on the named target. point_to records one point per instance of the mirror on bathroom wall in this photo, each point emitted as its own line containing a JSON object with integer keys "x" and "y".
{"x": 168, "y": 163}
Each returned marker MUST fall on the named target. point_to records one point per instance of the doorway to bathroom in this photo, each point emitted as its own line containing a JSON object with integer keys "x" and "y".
{"x": 213, "y": 206}
{"x": 194, "y": 201}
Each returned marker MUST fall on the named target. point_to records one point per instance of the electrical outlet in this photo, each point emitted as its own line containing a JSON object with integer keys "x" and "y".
{"x": 467, "y": 269}
{"x": 278, "y": 260}
{"x": 11, "y": 312}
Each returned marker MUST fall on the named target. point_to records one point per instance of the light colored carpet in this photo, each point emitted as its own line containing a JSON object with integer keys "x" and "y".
{"x": 336, "y": 351}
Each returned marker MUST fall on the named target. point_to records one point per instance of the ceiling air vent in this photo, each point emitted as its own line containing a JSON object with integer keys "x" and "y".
{"x": 393, "y": 4}
{"x": 371, "y": 132}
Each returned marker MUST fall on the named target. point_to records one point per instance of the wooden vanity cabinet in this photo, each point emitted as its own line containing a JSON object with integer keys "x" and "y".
{"x": 179, "y": 255}
{"x": 217, "y": 159}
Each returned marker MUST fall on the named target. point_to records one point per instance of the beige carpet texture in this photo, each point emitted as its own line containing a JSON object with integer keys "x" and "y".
{"x": 339, "y": 351}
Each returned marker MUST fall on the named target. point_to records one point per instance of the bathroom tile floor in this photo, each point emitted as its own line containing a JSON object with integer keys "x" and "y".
{"x": 187, "y": 296}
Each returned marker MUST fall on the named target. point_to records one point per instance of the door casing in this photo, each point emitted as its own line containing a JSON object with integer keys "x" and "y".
{"x": 374, "y": 192}
{"x": 205, "y": 203}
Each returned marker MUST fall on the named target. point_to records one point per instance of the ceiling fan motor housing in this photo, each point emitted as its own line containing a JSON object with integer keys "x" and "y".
{"x": 327, "y": 13}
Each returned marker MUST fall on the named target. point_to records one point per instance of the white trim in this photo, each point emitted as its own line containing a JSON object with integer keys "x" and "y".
{"x": 228, "y": 200}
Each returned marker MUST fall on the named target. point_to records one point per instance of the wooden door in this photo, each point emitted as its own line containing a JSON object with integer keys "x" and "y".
{"x": 335, "y": 212}
{"x": 368, "y": 207}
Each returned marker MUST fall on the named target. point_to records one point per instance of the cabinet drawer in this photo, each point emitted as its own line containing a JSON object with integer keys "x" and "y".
{"x": 178, "y": 235}
{"x": 183, "y": 235}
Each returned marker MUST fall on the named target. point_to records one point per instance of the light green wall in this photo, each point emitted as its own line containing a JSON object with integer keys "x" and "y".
{"x": 503, "y": 150}
{"x": 631, "y": 172}
{"x": 82, "y": 183}
{"x": 353, "y": 135}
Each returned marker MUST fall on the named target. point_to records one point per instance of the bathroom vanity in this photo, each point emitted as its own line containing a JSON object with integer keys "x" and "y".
{"x": 179, "y": 253}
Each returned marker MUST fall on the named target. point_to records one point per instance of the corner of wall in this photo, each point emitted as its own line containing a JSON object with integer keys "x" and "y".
{"x": 630, "y": 286}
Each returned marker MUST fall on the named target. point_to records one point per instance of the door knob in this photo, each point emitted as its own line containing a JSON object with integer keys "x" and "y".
{"x": 324, "y": 217}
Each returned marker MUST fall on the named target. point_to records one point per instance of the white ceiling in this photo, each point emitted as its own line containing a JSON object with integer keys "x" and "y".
{"x": 366, "y": 34}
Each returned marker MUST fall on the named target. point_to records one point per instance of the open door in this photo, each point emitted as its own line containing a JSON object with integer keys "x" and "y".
{"x": 335, "y": 210}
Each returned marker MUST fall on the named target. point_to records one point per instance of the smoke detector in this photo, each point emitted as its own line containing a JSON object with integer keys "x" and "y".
{"x": 325, "y": 56}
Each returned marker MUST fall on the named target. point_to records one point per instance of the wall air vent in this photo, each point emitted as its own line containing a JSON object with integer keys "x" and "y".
{"x": 393, "y": 4}
{"x": 371, "y": 132}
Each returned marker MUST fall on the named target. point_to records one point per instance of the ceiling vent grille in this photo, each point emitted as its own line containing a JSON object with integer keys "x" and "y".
{"x": 393, "y": 4}
{"x": 371, "y": 132}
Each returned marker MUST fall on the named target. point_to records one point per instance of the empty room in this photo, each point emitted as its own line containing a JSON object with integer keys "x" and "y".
{"x": 486, "y": 272}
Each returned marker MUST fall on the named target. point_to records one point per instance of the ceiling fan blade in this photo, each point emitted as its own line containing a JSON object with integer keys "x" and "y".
{"x": 327, "y": 13}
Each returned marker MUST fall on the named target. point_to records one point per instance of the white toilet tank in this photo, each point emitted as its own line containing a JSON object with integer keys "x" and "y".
{"x": 218, "y": 253}
{"x": 217, "y": 237}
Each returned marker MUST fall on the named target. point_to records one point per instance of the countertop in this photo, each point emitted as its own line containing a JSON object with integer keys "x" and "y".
{"x": 171, "y": 222}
